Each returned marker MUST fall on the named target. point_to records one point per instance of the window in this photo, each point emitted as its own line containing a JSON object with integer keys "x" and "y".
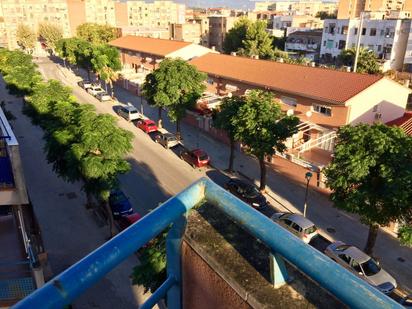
{"x": 341, "y": 44}
{"x": 325, "y": 110}
{"x": 296, "y": 227}
{"x": 363, "y": 31}
{"x": 210, "y": 81}
{"x": 379, "y": 48}
{"x": 355, "y": 31}
{"x": 344, "y": 30}
{"x": 355, "y": 265}
{"x": 372, "y": 32}
{"x": 329, "y": 44}
{"x": 370, "y": 47}
{"x": 344, "y": 258}
{"x": 324, "y": 43}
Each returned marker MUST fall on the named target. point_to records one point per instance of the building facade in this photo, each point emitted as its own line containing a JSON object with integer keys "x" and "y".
{"x": 219, "y": 25}
{"x": 284, "y": 25}
{"x": 349, "y": 9}
{"x": 305, "y": 43}
{"x": 298, "y": 7}
{"x": 388, "y": 38}
{"x": 187, "y": 32}
{"x": 343, "y": 98}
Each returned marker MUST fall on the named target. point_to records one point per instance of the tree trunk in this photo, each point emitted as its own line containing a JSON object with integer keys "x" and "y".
{"x": 112, "y": 228}
{"x": 112, "y": 88}
{"x": 178, "y": 135}
{"x": 89, "y": 200}
{"x": 373, "y": 234}
{"x": 262, "y": 173}
{"x": 159, "y": 117}
{"x": 232, "y": 155}
{"x": 105, "y": 86}
{"x": 88, "y": 75}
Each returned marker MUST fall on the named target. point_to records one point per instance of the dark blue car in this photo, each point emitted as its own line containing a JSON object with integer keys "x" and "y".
{"x": 120, "y": 204}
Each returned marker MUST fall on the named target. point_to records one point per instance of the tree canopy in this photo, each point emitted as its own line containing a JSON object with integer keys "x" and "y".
{"x": 367, "y": 61}
{"x": 224, "y": 119}
{"x": 96, "y": 33}
{"x": 371, "y": 175}
{"x": 235, "y": 36}
{"x": 325, "y": 15}
{"x": 263, "y": 127}
{"x": 26, "y": 37}
{"x": 50, "y": 33}
{"x": 257, "y": 41}
{"x": 175, "y": 85}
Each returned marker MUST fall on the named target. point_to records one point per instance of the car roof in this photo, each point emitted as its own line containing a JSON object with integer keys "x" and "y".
{"x": 300, "y": 220}
{"x": 148, "y": 121}
{"x": 168, "y": 134}
{"x": 198, "y": 152}
{"x": 357, "y": 254}
{"x": 130, "y": 108}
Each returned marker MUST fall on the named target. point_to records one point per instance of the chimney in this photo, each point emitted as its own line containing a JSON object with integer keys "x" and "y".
{"x": 213, "y": 48}
{"x": 280, "y": 60}
{"x": 233, "y": 54}
{"x": 254, "y": 56}
{"x": 312, "y": 64}
{"x": 348, "y": 69}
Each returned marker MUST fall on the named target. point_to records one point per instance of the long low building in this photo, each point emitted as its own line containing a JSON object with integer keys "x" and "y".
{"x": 323, "y": 99}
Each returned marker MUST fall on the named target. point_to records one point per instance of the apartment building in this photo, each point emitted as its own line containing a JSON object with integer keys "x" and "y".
{"x": 388, "y": 38}
{"x": 69, "y": 14}
{"x": 305, "y": 43}
{"x": 22, "y": 253}
{"x": 305, "y": 7}
{"x": 349, "y": 9}
{"x": 323, "y": 99}
{"x": 187, "y": 32}
{"x": 219, "y": 25}
{"x": 157, "y": 14}
{"x": 284, "y": 25}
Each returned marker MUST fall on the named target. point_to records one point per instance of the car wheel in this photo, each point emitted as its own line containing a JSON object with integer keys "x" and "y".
{"x": 166, "y": 146}
{"x": 193, "y": 165}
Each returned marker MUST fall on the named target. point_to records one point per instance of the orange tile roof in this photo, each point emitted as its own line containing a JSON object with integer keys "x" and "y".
{"x": 158, "y": 47}
{"x": 404, "y": 122}
{"x": 318, "y": 83}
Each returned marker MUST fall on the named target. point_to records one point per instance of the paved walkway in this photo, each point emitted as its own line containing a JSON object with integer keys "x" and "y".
{"x": 287, "y": 192}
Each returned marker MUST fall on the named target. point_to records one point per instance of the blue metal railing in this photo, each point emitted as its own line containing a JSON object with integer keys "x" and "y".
{"x": 67, "y": 286}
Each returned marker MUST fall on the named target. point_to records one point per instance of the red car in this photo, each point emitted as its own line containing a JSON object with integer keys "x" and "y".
{"x": 147, "y": 125}
{"x": 126, "y": 221}
{"x": 196, "y": 157}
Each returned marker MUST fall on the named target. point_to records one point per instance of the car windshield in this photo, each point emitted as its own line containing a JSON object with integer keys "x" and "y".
{"x": 150, "y": 124}
{"x": 311, "y": 230}
{"x": 203, "y": 157}
{"x": 133, "y": 111}
{"x": 370, "y": 267}
{"x": 171, "y": 138}
{"x": 117, "y": 197}
{"x": 251, "y": 192}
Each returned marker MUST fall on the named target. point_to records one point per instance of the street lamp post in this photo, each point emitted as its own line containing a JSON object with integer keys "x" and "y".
{"x": 308, "y": 176}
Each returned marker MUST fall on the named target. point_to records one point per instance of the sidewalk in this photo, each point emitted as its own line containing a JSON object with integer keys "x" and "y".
{"x": 285, "y": 189}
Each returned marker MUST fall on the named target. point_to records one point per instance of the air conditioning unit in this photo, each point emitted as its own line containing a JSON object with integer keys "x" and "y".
{"x": 378, "y": 116}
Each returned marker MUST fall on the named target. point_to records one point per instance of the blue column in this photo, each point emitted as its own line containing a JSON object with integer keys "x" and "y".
{"x": 278, "y": 273}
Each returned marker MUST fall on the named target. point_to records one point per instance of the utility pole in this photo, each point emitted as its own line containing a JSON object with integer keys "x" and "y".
{"x": 355, "y": 64}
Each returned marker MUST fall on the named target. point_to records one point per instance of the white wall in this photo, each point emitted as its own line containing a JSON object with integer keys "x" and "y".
{"x": 390, "y": 97}
{"x": 190, "y": 51}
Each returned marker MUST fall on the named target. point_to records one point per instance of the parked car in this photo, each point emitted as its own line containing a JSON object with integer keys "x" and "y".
{"x": 85, "y": 84}
{"x": 167, "y": 140}
{"x": 129, "y": 112}
{"x": 147, "y": 125}
{"x": 119, "y": 204}
{"x": 246, "y": 192}
{"x": 103, "y": 96}
{"x": 361, "y": 265}
{"x": 95, "y": 89}
{"x": 297, "y": 225}
{"x": 126, "y": 221}
{"x": 196, "y": 157}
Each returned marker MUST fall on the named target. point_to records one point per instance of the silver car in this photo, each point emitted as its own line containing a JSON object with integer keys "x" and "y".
{"x": 167, "y": 140}
{"x": 95, "y": 89}
{"x": 129, "y": 112}
{"x": 297, "y": 225}
{"x": 103, "y": 96}
{"x": 361, "y": 265}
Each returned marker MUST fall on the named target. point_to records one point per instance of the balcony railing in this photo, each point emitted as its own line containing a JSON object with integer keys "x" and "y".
{"x": 70, "y": 284}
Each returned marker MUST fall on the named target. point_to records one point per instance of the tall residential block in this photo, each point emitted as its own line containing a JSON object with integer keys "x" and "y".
{"x": 218, "y": 27}
{"x": 349, "y": 9}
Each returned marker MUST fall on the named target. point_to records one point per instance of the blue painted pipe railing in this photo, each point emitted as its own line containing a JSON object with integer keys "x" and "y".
{"x": 67, "y": 286}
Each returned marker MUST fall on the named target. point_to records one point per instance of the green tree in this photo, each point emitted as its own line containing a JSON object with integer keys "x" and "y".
{"x": 50, "y": 33}
{"x": 224, "y": 120}
{"x": 263, "y": 128}
{"x": 96, "y": 33}
{"x": 405, "y": 235}
{"x": 257, "y": 41}
{"x": 371, "y": 175}
{"x": 175, "y": 85}
{"x": 367, "y": 61}
{"x": 325, "y": 15}
{"x": 106, "y": 63}
{"x": 235, "y": 36}
{"x": 26, "y": 37}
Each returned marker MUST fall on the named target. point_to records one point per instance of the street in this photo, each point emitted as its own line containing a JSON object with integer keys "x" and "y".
{"x": 158, "y": 174}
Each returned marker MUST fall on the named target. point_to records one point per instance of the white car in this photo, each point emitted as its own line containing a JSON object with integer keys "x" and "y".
{"x": 129, "y": 113}
{"x": 362, "y": 265}
{"x": 94, "y": 90}
{"x": 297, "y": 225}
{"x": 103, "y": 96}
